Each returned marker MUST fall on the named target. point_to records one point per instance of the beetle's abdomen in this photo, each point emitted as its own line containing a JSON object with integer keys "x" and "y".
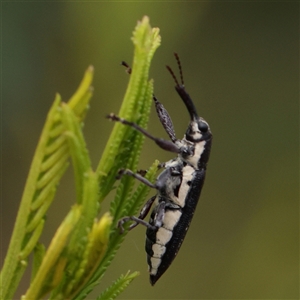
{"x": 163, "y": 242}
{"x": 158, "y": 240}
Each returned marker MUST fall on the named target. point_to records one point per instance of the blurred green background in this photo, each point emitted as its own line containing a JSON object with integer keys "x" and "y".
{"x": 241, "y": 67}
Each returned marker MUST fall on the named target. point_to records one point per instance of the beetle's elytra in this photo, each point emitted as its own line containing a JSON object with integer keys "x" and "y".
{"x": 178, "y": 186}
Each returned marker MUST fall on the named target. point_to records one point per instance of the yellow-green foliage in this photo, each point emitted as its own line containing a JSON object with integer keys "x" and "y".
{"x": 83, "y": 246}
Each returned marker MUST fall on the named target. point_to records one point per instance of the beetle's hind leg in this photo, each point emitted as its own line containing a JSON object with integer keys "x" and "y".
{"x": 140, "y": 219}
{"x": 136, "y": 220}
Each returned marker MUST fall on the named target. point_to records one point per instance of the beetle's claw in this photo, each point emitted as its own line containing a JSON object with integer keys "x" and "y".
{"x": 120, "y": 174}
{"x": 120, "y": 226}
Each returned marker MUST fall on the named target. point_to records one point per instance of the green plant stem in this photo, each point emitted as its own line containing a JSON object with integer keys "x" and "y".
{"x": 13, "y": 267}
{"x": 82, "y": 247}
{"x": 48, "y": 166}
{"x": 146, "y": 40}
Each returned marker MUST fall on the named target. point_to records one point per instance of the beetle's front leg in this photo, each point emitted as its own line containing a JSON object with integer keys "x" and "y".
{"x": 164, "y": 144}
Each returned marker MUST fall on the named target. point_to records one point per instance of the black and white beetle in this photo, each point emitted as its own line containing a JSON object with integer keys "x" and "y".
{"x": 178, "y": 186}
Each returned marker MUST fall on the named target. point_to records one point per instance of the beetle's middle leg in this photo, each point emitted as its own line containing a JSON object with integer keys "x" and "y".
{"x": 136, "y": 176}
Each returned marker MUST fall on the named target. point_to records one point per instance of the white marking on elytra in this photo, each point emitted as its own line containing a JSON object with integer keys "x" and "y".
{"x": 187, "y": 177}
{"x": 158, "y": 250}
{"x": 163, "y": 236}
{"x": 155, "y": 262}
{"x": 171, "y": 218}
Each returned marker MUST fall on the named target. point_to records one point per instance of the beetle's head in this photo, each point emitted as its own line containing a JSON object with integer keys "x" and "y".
{"x": 195, "y": 147}
{"x": 198, "y": 129}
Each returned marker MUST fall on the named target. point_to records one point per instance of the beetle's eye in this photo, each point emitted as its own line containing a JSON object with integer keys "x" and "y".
{"x": 203, "y": 126}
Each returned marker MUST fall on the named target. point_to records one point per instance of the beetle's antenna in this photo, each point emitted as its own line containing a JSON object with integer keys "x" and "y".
{"x": 180, "y": 71}
{"x": 181, "y": 90}
{"x": 125, "y": 64}
{"x": 179, "y": 67}
{"x": 173, "y": 75}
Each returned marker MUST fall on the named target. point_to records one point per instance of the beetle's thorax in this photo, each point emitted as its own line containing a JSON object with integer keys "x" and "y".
{"x": 169, "y": 181}
{"x": 195, "y": 145}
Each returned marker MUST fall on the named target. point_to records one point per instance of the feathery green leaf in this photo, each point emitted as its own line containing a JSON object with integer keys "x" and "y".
{"x": 118, "y": 286}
